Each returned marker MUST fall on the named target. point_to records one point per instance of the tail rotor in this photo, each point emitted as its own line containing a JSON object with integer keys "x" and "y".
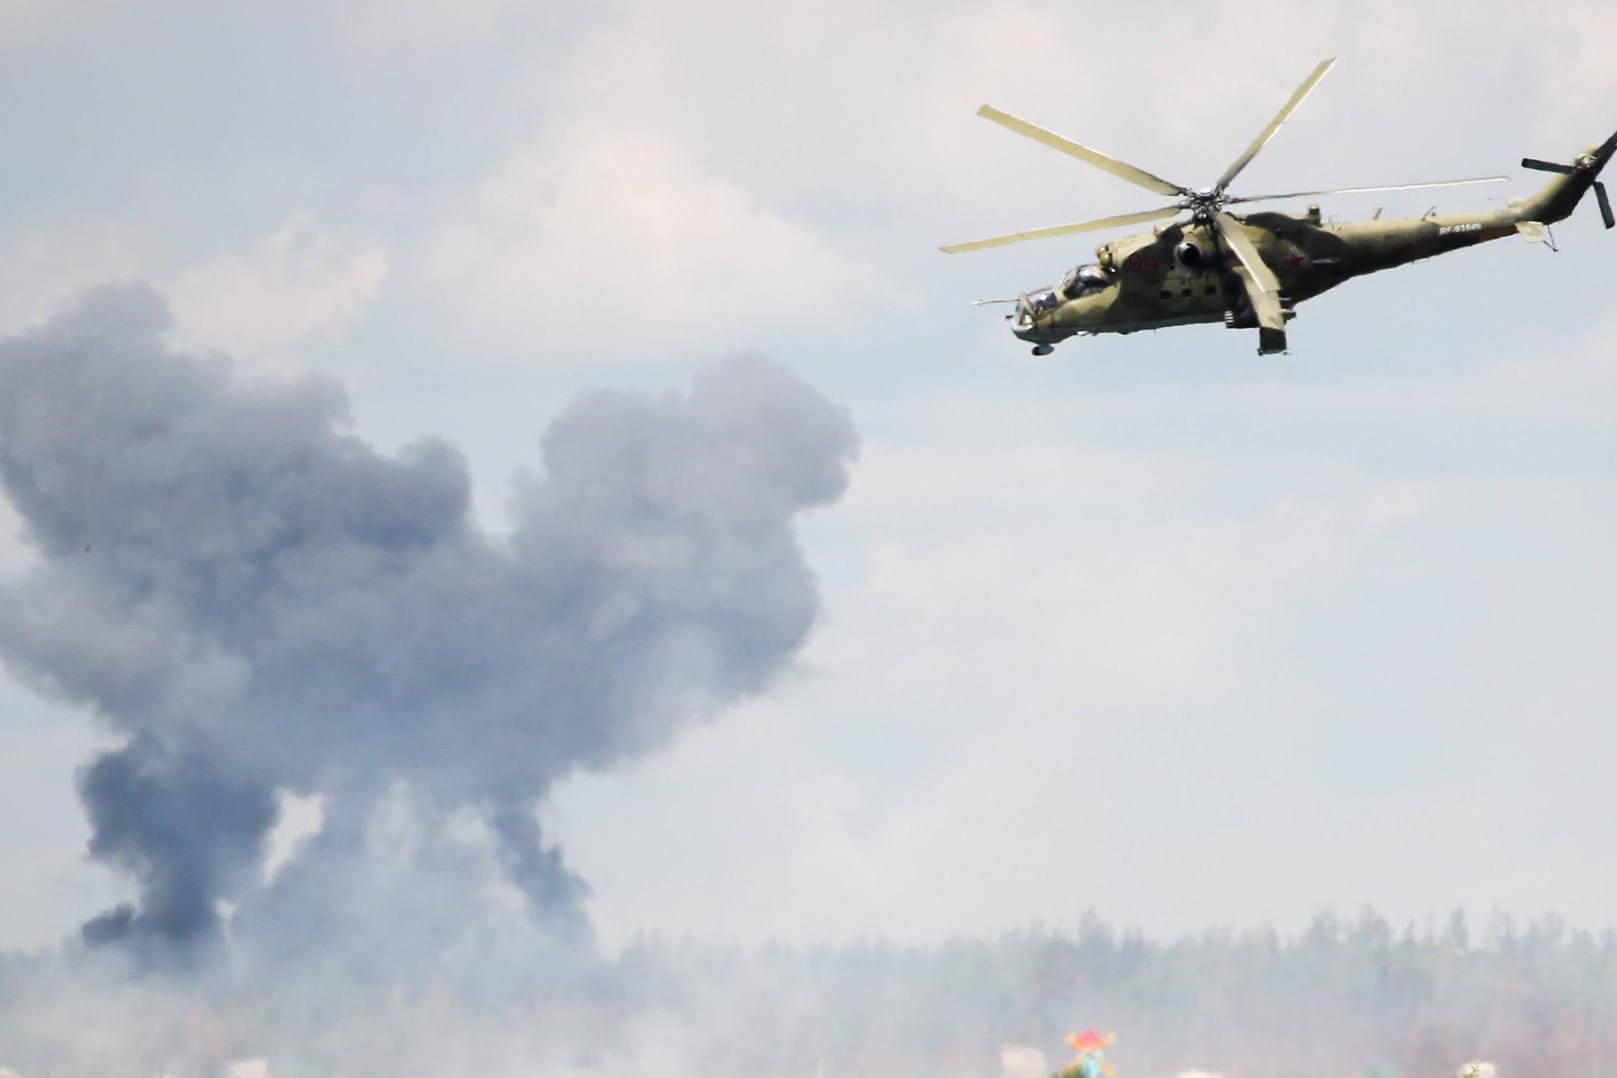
{"x": 1573, "y": 170}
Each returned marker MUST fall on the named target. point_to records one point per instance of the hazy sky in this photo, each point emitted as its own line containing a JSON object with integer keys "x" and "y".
{"x": 1152, "y": 626}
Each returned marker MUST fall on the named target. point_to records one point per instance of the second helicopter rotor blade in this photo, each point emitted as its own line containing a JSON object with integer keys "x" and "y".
{"x": 1363, "y": 190}
{"x": 1547, "y": 166}
{"x": 1121, "y": 169}
{"x": 1258, "y": 280}
{"x": 1274, "y": 125}
{"x": 1061, "y": 230}
{"x": 1605, "y": 205}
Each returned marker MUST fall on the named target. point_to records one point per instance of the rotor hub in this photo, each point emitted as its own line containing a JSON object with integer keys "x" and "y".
{"x": 1204, "y": 203}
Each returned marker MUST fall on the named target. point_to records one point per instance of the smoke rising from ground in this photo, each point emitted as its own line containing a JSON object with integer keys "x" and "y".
{"x": 258, "y": 602}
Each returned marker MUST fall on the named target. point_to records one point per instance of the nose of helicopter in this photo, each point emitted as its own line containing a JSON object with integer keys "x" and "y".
{"x": 1036, "y": 335}
{"x": 1023, "y": 325}
{"x": 1029, "y": 305}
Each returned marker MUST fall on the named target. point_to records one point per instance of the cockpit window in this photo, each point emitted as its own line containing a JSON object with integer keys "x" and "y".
{"x": 1082, "y": 280}
{"x": 1039, "y": 302}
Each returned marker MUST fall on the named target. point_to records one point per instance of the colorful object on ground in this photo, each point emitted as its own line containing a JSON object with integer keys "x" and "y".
{"x": 1091, "y": 1062}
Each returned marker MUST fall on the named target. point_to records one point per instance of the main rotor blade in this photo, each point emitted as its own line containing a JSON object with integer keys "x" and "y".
{"x": 1274, "y": 125}
{"x": 1262, "y": 290}
{"x": 1362, "y": 190}
{"x": 1062, "y": 230}
{"x": 1605, "y": 205}
{"x": 1235, "y": 235}
{"x": 1547, "y": 166}
{"x": 1137, "y": 176}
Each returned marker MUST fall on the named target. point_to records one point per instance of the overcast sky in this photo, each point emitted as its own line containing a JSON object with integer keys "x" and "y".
{"x": 1152, "y": 626}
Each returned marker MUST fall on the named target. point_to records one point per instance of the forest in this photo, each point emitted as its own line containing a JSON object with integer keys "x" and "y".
{"x": 1346, "y": 997}
{"x": 1343, "y": 998}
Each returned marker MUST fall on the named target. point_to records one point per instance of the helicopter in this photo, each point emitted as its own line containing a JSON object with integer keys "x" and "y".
{"x": 1249, "y": 271}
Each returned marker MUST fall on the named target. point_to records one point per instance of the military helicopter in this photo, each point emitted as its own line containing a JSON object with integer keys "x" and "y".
{"x": 1251, "y": 271}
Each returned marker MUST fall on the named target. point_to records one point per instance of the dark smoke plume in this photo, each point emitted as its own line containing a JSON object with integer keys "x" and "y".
{"x": 261, "y": 603}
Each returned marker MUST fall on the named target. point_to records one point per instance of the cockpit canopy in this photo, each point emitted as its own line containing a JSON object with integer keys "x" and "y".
{"x": 1042, "y": 300}
{"x": 1082, "y": 280}
{"x": 1079, "y": 281}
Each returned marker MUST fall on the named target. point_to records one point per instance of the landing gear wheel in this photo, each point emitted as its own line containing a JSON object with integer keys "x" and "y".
{"x": 1043, "y": 349}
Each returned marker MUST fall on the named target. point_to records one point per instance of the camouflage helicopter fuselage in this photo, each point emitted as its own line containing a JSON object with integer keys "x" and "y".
{"x": 1183, "y": 273}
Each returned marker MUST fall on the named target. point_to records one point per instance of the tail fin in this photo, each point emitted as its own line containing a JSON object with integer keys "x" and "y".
{"x": 1557, "y": 199}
